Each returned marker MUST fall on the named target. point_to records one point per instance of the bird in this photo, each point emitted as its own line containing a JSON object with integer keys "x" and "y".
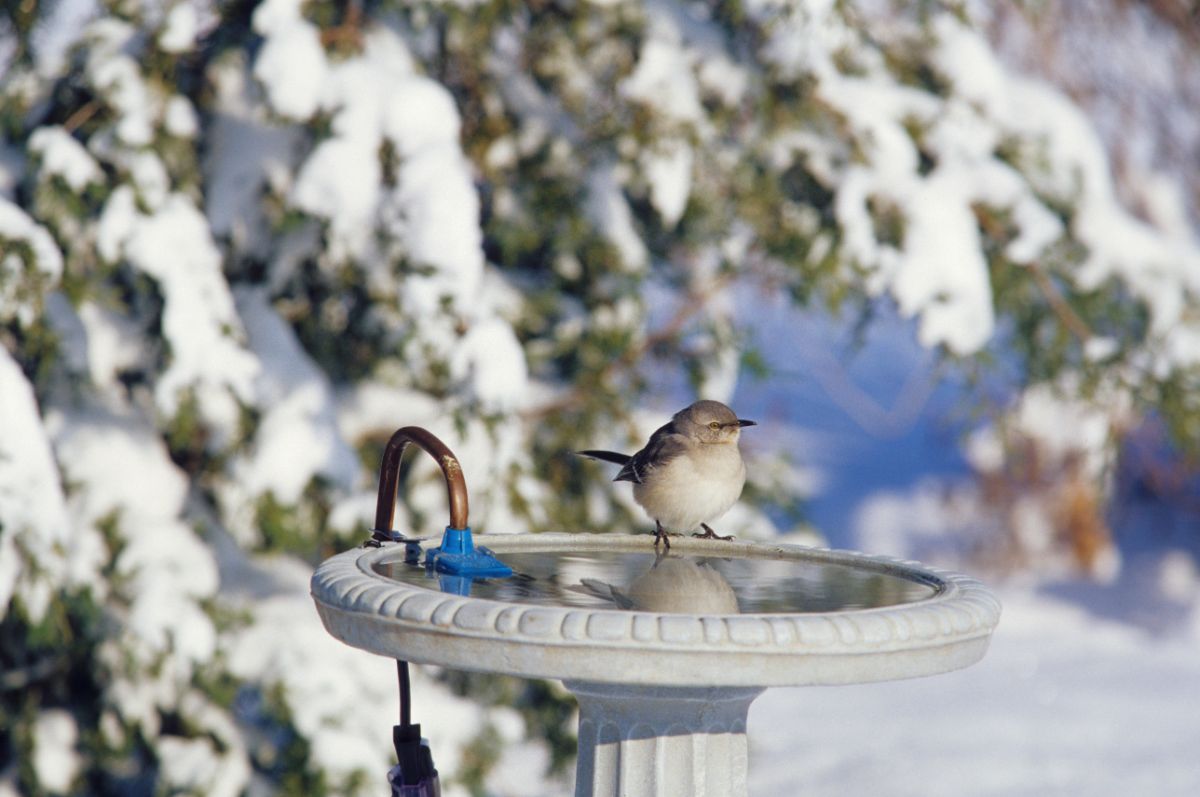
{"x": 689, "y": 473}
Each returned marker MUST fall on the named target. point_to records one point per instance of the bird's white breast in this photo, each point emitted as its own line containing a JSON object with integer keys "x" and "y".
{"x": 695, "y": 489}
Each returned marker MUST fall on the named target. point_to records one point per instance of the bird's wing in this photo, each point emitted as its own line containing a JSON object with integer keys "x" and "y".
{"x": 664, "y": 445}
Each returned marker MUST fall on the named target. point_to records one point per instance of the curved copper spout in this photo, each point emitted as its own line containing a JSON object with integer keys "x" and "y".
{"x": 389, "y": 478}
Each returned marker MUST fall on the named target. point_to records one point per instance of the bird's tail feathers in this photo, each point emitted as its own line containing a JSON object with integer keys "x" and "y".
{"x": 607, "y": 456}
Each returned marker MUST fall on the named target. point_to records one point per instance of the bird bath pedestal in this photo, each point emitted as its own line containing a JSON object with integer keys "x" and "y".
{"x": 664, "y": 673}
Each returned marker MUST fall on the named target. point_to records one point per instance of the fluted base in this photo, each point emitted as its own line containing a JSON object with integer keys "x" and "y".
{"x": 651, "y": 741}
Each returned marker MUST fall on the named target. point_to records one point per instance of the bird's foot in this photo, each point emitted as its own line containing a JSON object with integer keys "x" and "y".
{"x": 663, "y": 536}
{"x": 709, "y": 534}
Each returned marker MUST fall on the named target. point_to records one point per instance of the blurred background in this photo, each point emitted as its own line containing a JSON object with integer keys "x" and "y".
{"x": 945, "y": 253}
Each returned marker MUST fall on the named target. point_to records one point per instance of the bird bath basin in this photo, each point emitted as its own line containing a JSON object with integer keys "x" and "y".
{"x": 664, "y": 671}
{"x": 664, "y": 653}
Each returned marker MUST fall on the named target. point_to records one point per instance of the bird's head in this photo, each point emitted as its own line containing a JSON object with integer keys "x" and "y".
{"x": 710, "y": 422}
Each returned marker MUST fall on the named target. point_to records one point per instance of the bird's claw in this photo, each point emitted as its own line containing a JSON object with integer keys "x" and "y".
{"x": 709, "y": 534}
{"x": 663, "y": 536}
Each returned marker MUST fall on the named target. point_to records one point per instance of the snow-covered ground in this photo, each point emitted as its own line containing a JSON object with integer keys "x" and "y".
{"x": 1067, "y": 701}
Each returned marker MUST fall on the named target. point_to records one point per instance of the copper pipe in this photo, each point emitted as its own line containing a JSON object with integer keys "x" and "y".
{"x": 385, "y": 511}
{"x": 389, "y": 476}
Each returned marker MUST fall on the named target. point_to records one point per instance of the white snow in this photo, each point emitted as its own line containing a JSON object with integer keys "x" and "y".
{"x": 182, "y": 26}
{"x": 371, "y": 408}
{"x": 175, "y": 247}
{"x": 425, "y": 119}
{"x": 490, "y": 359}
{"x": 1067, "y": 701}
{"x": 56, "y": 762}
{"x": 16, "y": 225}
{"x": 920, "y": 523}
{"x": 62, "y": 155}
{"x": 61, "y": 28}
{"x": 724, "y": 78}
{"x": 609, "y": 211}
{"x": 179, "y": 117}
{"x": 944, "y": 278}
{"x": 665, "y": 81}
{"x": 109, "y": 343}
{"x": 148, "y": 176}
{"x": 802, "y": 37}
{"x": 297, "y": 438}
{"x": 937, "y": 271}
{"x": 1160, "y": 265}
{"x": 1063, "y": 426}
{"x": 291, "y": 64}
{"x": 434, "y": 211}
{"x": 44, "y": 261}
{"x": 246, "y": 158}
{"x": 197, "y": 765}
{"x": 117, "y": 76}
{"x": 668, "y": 169}
{"x": 33, "y": 513}
{"x": 121, "y": 470}
{"x": 340, "y": 182}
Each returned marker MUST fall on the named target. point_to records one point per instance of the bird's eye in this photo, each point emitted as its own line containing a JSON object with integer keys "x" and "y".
{"x": 714, "y": 426}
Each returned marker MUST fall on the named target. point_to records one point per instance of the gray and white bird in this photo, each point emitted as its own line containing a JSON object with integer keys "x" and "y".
{"x": 689, "y": 473}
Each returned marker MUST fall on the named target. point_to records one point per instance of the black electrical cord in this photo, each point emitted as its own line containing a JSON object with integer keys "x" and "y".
{"x": 405, "y": 694}
{"x": 414, "y": 761}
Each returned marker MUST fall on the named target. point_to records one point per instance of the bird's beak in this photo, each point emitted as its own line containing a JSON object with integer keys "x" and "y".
{"x": 744, "y": 422}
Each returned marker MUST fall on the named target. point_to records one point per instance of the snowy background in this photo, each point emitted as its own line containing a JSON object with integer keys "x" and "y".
{"x": 946, "y": 256}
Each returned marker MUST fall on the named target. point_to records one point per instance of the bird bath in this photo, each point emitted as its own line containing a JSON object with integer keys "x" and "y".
{"x": 664, "y": 654}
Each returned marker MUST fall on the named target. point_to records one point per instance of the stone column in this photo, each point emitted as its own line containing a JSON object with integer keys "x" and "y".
{"x": 661, "y": 741}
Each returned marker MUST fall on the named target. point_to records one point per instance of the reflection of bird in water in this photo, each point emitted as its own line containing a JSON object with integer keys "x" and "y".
{"x": 672, "y": 585}
{"x": 689, "y": 472}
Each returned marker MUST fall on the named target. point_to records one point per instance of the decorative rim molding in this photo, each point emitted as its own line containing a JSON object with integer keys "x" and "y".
{"x": 946, "y": 631}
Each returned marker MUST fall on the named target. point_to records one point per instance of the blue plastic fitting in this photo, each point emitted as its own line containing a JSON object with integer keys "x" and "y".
{"x": 458, "y": 556}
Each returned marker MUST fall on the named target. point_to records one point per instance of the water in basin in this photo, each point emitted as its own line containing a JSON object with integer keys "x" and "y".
{"x": 676, "y": 583}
